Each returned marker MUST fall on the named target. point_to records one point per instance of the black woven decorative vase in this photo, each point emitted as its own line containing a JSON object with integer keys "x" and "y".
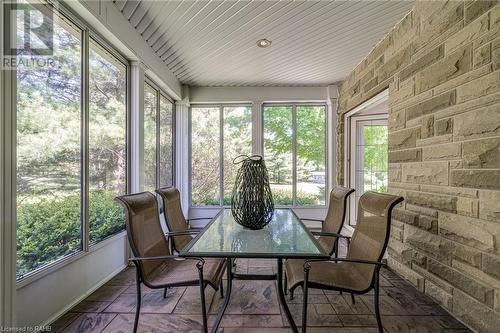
{"x": 251, "y": 201}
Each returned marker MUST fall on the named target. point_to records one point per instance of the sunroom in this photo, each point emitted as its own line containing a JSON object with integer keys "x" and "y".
{"x": 250, "y": 166}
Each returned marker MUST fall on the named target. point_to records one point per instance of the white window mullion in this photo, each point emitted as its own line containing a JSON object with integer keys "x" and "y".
{"x": 221, "y": 155}
{"x": 257, "y": 129}
{"x": 182, "y": 152}
{"x": 294, "y": 155}
{"x": 8, "y": 162}
{"x": 85, "y": 142}
{"x": 136, "y": 127}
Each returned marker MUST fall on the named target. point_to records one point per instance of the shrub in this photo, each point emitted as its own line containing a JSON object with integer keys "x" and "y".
{"x": 51, "y": 229}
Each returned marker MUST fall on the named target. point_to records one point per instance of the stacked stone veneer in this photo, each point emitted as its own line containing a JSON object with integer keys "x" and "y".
{"x": 441, "y": 64}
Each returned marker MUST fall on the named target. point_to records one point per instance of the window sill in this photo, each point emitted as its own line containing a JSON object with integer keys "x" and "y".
{"x": 52, "y": 267}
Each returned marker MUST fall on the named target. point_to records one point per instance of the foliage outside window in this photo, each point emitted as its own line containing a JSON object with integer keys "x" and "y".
{"x": 150, "y": 120}
{"x": 218, "y": 135}
{"x": 51, "y": 194}
{"x": 166, "y": 149}
{"x": 107, "y": 142}
{"x": 48, "y": 154}
{"x": 375, "y": 158}
{"x": 295, "y": 153}
{"x": 158, "y": 139}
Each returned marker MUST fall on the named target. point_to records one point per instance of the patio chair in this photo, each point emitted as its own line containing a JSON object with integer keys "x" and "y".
{"x": 156, "y": 267}
{"x": 358, "y": 273}
{"x": 333, "y": 223}
{"x": 177, "y": 223}
{"x": 174, "y": 217}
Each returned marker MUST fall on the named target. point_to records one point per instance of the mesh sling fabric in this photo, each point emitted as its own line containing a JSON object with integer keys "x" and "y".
{"x": 335, "y": 216}
{"x": 173, "y": 215}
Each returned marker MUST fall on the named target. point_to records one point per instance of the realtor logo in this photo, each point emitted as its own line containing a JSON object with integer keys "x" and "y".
{"x": 28, "y": 34}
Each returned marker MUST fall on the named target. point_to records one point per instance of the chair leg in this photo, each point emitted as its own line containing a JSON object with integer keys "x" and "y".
{"x": 336, "y": 247}
{"x": 307, "y": 267}
{"x": 291, "y": 294}
{"x": 165, "y": 293}
{"x": 353, "y": 299}
{"x": 199, "y": 265}
{"x": 286, "y": 284}
{"x": 138, "y": 305}
{"x": 221, "y": 288}
{"x": 376, "y": 299}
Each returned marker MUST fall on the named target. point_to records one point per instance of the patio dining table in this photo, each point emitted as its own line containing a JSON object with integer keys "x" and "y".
{"x": 285, "y": 237}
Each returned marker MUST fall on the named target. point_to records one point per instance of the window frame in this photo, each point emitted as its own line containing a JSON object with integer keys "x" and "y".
{"x": 121, "y": 59}
{"x": 221, "y": 107}
{"x": 258, "y": 136}
{"x": 356, "y": 162}
{"x": 159, "y": 93}
{"x": 371, "y": 104}
{"x": 294, "y": 106}
{"x": 87, "y": 33}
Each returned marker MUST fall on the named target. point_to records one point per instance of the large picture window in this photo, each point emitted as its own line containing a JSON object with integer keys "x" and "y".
{"x": 61, "y": 138}
{"x": 159, "y": 143}
{"x": 219, "y": 133}
{"x": 49, "y": 150}
{"x": 295, "y": 153}
{"x": 107, "y": 142}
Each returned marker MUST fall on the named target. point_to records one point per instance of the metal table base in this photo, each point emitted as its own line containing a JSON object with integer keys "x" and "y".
{"x": 236, "y": 276}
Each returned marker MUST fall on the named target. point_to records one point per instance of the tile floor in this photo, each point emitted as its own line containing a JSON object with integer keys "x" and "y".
{"x": 254, "y": 307}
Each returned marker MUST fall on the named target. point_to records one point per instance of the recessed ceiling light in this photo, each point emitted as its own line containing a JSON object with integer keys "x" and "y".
{"x": 263, "y": 43}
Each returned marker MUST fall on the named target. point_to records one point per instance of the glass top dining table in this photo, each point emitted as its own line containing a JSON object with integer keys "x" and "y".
{"x": 285, "y": 237}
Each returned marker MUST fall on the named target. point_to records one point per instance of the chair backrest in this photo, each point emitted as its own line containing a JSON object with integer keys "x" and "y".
{"x": 174, "y": 217}
{"x": 144, "y": 230}
{"x": 335, "y": 216}
{"x": 373, "y": 225}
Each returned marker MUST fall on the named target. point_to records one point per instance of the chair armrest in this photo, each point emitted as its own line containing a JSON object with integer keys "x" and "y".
{"x": 315, "y": 220}
{"x": 329, "y": 234}
{"x": 181, "y": 233}
{"x": 357, "y": 261}
{"x": 160, "y": 258}
{"x": 196, "y": 229}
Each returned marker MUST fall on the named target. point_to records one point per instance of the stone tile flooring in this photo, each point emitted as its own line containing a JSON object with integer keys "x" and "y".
{"x": 254, "y": 307}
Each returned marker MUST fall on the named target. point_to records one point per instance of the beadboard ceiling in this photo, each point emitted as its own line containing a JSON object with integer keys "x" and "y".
{"x": 213, "y": 43}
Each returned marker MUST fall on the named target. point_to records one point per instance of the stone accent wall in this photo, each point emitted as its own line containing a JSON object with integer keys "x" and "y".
{"x": 441, "y": 64}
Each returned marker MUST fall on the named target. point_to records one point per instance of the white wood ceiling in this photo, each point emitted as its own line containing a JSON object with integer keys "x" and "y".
{"x": 213, "y": 43}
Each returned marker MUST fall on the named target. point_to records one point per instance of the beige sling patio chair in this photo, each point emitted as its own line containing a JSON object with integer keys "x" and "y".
{"x": 156, "y": 267}
{"x": 332, "y": 224}
{"x": 177, "y": 223}
{"x": 358, "y": 273}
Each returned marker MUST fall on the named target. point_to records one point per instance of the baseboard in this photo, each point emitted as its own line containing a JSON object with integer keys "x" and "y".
{"x": 82, "y": 297}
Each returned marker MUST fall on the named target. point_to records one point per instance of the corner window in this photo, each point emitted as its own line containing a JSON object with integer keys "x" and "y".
{"x": 159, "y": 123}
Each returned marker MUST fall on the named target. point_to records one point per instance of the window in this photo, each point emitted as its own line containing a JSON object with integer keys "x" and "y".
{"x": 49, "y": 149}
{"x": 61, "y": 137}
{"x": 166, "y": 142}
{"x": 150, "y": 121}
{"x": 159, "y": 123}
{"x": 366, "y": 153}
{"x": 107, "y": 142}
{"x": 295, "y": 153}
{"x": 218, "y": 135}
{"x": 369, "y": 157}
